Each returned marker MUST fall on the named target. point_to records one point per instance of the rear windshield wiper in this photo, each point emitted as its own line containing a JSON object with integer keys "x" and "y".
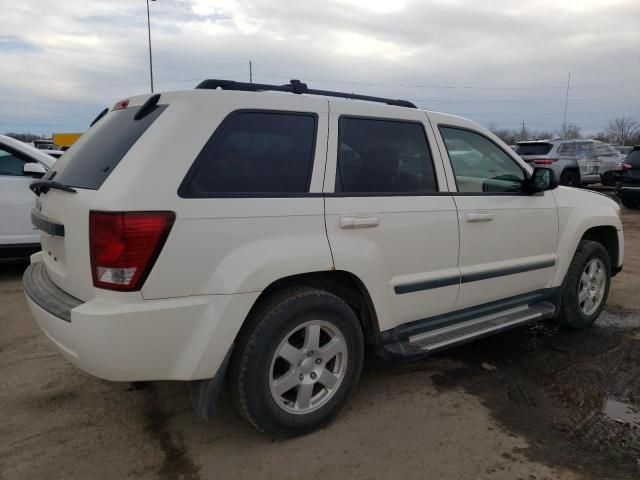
{"x": 43, "y": 186}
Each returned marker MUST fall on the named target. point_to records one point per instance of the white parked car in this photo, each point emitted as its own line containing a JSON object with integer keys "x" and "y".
{"x": 231, "y": 232}
{"x": 20, "y": 164}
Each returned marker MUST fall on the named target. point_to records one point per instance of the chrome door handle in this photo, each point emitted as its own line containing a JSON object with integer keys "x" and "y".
{"x": 359, "y": 222}
{"x": 479, "y": 216}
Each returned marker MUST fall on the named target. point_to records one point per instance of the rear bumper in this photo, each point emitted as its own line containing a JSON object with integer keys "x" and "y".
{"x": 628, "y": 191}
{"x": 184, "y": 338}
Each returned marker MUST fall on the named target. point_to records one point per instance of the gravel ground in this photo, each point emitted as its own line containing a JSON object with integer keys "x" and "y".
{"x": 534, "y": 403}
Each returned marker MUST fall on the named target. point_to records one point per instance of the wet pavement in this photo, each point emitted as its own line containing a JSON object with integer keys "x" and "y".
{"x": 575, "y": 395}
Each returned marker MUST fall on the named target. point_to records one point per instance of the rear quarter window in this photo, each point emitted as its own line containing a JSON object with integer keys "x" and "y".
{"x": 255, "y": 153}
{"x": 90, "y": 160}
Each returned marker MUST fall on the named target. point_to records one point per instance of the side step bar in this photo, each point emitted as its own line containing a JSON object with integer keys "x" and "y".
{"x": 434, "y": 340}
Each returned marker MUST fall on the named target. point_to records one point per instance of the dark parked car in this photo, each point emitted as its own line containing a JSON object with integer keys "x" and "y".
{"x": 628, "y": 179}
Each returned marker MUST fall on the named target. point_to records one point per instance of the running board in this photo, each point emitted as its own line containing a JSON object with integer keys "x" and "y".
{"x": 433, "y": 340}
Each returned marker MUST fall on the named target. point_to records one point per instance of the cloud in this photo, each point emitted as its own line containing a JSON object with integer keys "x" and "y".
{"x": 496, "y": 61}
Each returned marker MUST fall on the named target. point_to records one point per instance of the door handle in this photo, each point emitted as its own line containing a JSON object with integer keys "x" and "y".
{"x": 359, "y": 222}
{"x": 479, "y": 216}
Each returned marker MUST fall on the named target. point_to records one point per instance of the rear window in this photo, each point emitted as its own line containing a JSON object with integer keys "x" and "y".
{"x": 255, "y": 153}
{"x": 90, "y": 160}
{"x": 533, "y": 148}
{"x": 634, "y": 159}
{"x": 383, "y": 156}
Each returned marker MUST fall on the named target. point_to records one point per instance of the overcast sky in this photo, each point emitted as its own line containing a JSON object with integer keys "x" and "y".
{"x": 497, "y": 62}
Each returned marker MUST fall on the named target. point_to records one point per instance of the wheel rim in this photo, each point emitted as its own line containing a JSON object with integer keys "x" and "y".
{"x": 308, "y": 367}
{"x": 593, "y": 282}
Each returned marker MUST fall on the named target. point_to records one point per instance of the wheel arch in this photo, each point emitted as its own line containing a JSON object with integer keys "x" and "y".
{"x": 607, "y": 236}
{"x": 343, "y": 284}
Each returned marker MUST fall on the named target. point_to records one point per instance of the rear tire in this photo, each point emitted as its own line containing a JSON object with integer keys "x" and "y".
{"x": 586, "y": 286}
{"x": 570, "y": 178}
{"x": 608, "y": 180}
{"x": 297, "y": 363}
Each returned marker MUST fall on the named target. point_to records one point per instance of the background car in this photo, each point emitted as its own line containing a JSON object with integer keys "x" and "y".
{"x": 53, "y": 153}
{"x": 628, "y": 180}
{"x": 20, "y": 164}
{"x": 575, "y": 162}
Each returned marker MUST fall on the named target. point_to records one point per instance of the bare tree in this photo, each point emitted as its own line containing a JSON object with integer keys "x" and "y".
{"x": 572, "y": 131}
{"x": 622, "y": 129}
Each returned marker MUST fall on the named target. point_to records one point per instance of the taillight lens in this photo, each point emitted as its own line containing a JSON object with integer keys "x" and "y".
{"x": 544, "y": 161}
{"x": 625, "y": 166}
{"x": 121, "y": 105}
{"x": 124, "y": 246}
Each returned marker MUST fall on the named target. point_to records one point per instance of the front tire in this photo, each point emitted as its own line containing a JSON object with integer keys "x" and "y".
{"x": 586, "y": 286}
{"x": 297, "y": 363}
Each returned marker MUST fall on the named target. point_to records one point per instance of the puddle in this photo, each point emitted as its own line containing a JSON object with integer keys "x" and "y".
{"x": 621, "y": 412}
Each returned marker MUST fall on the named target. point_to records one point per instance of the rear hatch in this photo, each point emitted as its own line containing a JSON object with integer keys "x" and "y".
{"x": 535, "y": 152}
{"x": 85, "y": 167}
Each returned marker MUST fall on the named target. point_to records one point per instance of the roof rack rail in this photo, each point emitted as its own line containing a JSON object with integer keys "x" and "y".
{"x": 295, "y": 86}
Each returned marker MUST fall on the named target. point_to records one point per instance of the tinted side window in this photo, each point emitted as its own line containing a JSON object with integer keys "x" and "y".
{"x": 10, "y": 164}
{"x": 255, "y": 152}
{"x": 479, "y": 165}
{"x": 383, "y": 156}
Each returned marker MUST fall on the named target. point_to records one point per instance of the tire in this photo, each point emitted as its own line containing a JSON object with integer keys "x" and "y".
{"x": 570, "y": 178}
{"x": 608, "y": 180}
{"x": 284, "y": 324}
{"x": 573, "y": 312}
{"x": 629, "y": 203}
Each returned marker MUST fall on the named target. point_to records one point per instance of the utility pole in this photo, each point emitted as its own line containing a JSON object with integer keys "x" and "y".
{"x": 250, "y": 72}
{"x": 566, "y": 101}
{"x": 150, "y": 58}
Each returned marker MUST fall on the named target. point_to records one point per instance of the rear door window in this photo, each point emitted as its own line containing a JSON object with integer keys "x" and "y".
{"x": 255, "y": 153}
{"x": 567, "y": 149}
{"x": 90, "y": 160}
{"x": 383, "y": 156}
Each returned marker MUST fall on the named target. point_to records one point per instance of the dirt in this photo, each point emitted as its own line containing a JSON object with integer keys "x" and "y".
{"x": 535, "y": 403}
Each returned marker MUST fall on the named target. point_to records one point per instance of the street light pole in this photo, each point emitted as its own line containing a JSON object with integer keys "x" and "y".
{"x": 150, "y": 58}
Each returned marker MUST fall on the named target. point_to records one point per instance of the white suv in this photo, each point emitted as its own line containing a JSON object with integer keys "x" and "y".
{"x": 264, "y": 237}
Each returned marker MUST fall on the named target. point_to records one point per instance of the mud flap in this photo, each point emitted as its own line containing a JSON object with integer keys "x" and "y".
{"x": 205, "y": 393}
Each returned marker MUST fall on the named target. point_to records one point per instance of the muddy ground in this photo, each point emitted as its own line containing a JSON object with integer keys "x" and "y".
{"x": 534, "y": 403}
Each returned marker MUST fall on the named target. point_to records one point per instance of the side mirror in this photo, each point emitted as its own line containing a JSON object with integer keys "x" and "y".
{"x": 541, "y": 180}
{"x": 35, "y": 170}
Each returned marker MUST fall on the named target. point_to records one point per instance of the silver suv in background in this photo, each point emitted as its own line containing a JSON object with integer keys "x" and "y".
{"x": 575, "y": 162}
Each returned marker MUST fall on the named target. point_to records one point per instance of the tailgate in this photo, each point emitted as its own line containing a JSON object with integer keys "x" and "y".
{"x": 65, "y": 247}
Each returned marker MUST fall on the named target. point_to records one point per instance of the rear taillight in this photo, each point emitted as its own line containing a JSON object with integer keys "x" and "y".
{"x": 124, "y": 246}
{"x": 625, "y": 166}
{"x": 544, "y": 161}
